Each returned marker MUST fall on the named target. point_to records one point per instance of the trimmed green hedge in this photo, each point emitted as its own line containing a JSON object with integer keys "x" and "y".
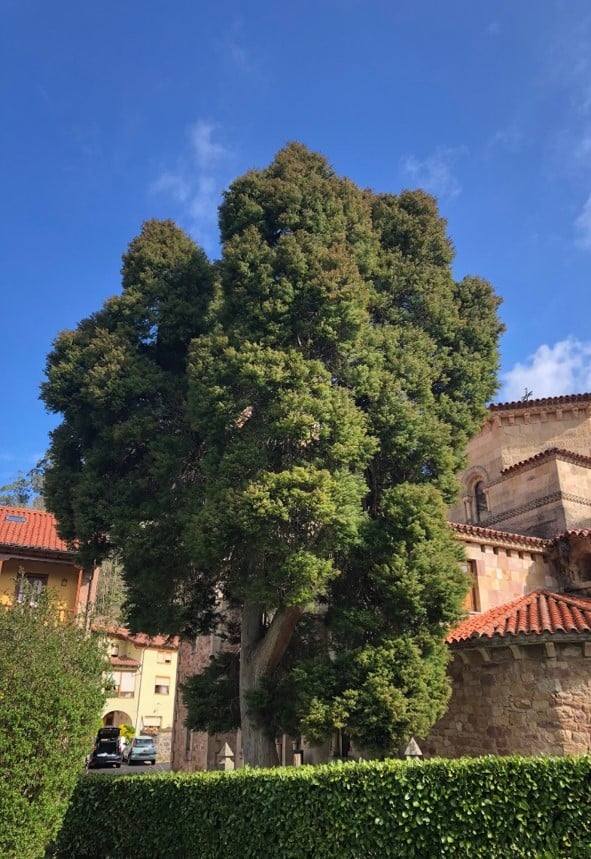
{"x": 487, "y": 807}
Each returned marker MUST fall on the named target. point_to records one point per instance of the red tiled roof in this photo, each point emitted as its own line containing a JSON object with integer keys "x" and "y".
{"x": 25, "y": 528}
{"x": 140, "y": 639}
{"x": 500, "y": 536}
{"x": 533, "y": 614}
{"x": 542, "y": 401}
{"x": 124, "y": 662}
{"x": 560, "y": 452}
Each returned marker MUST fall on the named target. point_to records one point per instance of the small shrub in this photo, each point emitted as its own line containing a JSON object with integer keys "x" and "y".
{"x": 50, "y": 698}
{"x": 494, "y": 808}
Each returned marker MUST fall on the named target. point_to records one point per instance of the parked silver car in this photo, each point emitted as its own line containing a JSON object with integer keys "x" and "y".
{"x": 141, "y": 750}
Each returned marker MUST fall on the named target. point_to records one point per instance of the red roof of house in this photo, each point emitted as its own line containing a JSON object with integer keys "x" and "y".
{"x": 25, "y": 528}
{"x": 565, "y": 399}
{"x": 140, "y": 639}
{"x": 533, "y": 614}
{"x": 124, "y": 662}
{"x": 499, "y": 536}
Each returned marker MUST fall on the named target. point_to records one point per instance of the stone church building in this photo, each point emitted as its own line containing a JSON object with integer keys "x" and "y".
{"x": 521, "y": 659}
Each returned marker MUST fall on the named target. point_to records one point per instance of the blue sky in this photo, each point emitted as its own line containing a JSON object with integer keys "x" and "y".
{"x": 115, "y": 112}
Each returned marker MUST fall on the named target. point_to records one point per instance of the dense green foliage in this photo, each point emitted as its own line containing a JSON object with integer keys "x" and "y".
{"x": 26, "y": 490}
{"x": 110, "y": 595}
{"x": 283, "y": 428}
{"x": 50, "y": 699}
{"x": 492, "y": 808}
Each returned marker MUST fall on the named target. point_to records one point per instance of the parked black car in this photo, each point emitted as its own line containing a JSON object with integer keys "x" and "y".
{"x": 106, "y": 753}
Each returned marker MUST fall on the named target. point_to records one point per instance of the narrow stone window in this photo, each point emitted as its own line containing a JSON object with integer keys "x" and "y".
{"x": 480, "y": 503}
{"x": 472, "y": 601}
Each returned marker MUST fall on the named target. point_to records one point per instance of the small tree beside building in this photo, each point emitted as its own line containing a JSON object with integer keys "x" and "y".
{"x": 51, "y": 693}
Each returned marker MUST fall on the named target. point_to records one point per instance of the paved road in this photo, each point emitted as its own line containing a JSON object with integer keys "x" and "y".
{"x": 136, "y": 769}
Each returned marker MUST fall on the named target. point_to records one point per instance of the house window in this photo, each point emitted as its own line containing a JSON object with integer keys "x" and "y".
{"x": 480, "y": 503}
{"x": 164, "y": 657}
{"x": 472, "y": 601}
{"x": 122, "y": 684}
{"x": 114, "y": 650}
{"x": 127, "y": 687}
{"x": 30, "y": 587}
{"x": 162, "y": 686}
{"x": 114, "y": 684}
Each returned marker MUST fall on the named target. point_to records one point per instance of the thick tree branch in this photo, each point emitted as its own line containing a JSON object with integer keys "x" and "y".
{"x": 270, "y": 649}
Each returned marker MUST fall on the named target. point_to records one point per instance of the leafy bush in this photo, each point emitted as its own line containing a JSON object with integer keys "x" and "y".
{"x": 127, "y": 732}
{"x": 487, "y": 807}
{"x": 50, "y": 698}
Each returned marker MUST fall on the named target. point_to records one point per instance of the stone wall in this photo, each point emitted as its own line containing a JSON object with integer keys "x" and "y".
{"x": 528, "y": 699}
{"x": 189, "y": 748}
{"x": 197, "y": 750}
{"x": 505, "y": 572}
{"x": 163, "y": 746}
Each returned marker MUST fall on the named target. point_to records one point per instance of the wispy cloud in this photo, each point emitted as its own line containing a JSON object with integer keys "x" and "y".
{"x": 435, "y": 173}
{"x": 583, "y": 226}
{"x": 197, "y": 181}
{"x": 567, "y": 63}
{"x": 510, "y": 139}
{"x": 564, "y": 368}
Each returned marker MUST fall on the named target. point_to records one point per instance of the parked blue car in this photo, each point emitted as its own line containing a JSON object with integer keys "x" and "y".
{"x": 141, "y": 750}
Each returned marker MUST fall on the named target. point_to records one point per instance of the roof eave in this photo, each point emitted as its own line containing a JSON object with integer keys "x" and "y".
{"x": 38, "y": 551}
{"x": 476, "y": 642}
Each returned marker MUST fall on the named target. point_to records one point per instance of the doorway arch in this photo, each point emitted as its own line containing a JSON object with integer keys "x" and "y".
{"x": 116, "y": 718}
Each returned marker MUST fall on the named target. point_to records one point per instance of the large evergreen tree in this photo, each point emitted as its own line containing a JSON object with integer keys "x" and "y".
{"x": 268, "y": 444}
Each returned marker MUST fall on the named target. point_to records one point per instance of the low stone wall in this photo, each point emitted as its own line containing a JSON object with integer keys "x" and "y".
{"x": 525, "y": 699}
{"x": 163, "y": 746}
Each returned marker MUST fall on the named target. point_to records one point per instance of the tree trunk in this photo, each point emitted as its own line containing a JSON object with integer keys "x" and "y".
{"x": 260, "y": 651}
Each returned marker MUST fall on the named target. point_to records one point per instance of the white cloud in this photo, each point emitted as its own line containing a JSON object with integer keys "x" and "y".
{"x": 564, "y": 368}
{"x": 435, "y": 172}
{"x": 510, "y": 139}
{"x": 207, "y": 151}
{"x": 583, "y": 226}
{"x": 196, "y": 183}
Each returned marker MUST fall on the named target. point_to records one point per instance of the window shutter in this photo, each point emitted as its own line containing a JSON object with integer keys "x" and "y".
{"x": 128, "y": 681}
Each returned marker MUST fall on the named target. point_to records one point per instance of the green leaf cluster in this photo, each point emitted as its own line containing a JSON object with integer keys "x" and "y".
{"x": 487, "y": 808}
{"x": 282, "y": 428}
{"x": 51, "y": 694}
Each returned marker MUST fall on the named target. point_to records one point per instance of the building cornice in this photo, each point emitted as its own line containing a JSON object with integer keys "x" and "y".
{"x": 542, "y": 403}
{"x": 544, "y": 456}
{"x": 482, "y": 534}
{"x": 16, "y": 551}
{"x": 538, "y": 502}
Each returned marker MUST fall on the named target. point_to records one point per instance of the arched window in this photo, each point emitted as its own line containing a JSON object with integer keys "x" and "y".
{"x": 480, "y": 505}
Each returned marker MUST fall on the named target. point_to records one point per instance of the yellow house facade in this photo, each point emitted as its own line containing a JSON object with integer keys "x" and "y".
{"x": 143, "y": 676}
{"x": 33, "y": 559}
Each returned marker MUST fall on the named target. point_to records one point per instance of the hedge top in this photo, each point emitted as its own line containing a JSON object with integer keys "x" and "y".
{"x": 487, "y": 807}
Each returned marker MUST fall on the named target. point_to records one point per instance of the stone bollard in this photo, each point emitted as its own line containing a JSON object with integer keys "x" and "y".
{"x": 226, "y": 759}
{"x": 413, "y": 751}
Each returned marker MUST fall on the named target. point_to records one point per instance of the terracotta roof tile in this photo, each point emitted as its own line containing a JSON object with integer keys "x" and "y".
{"x": 533, "y": 614}
{"x": 500, "y": 536}
{"x": 558, "y": 452}
{"x": 124, "y": 662}
{"x": 140, "y": 638}
{"x": 25, "y": 528}
{"x": 542, "y": 401}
